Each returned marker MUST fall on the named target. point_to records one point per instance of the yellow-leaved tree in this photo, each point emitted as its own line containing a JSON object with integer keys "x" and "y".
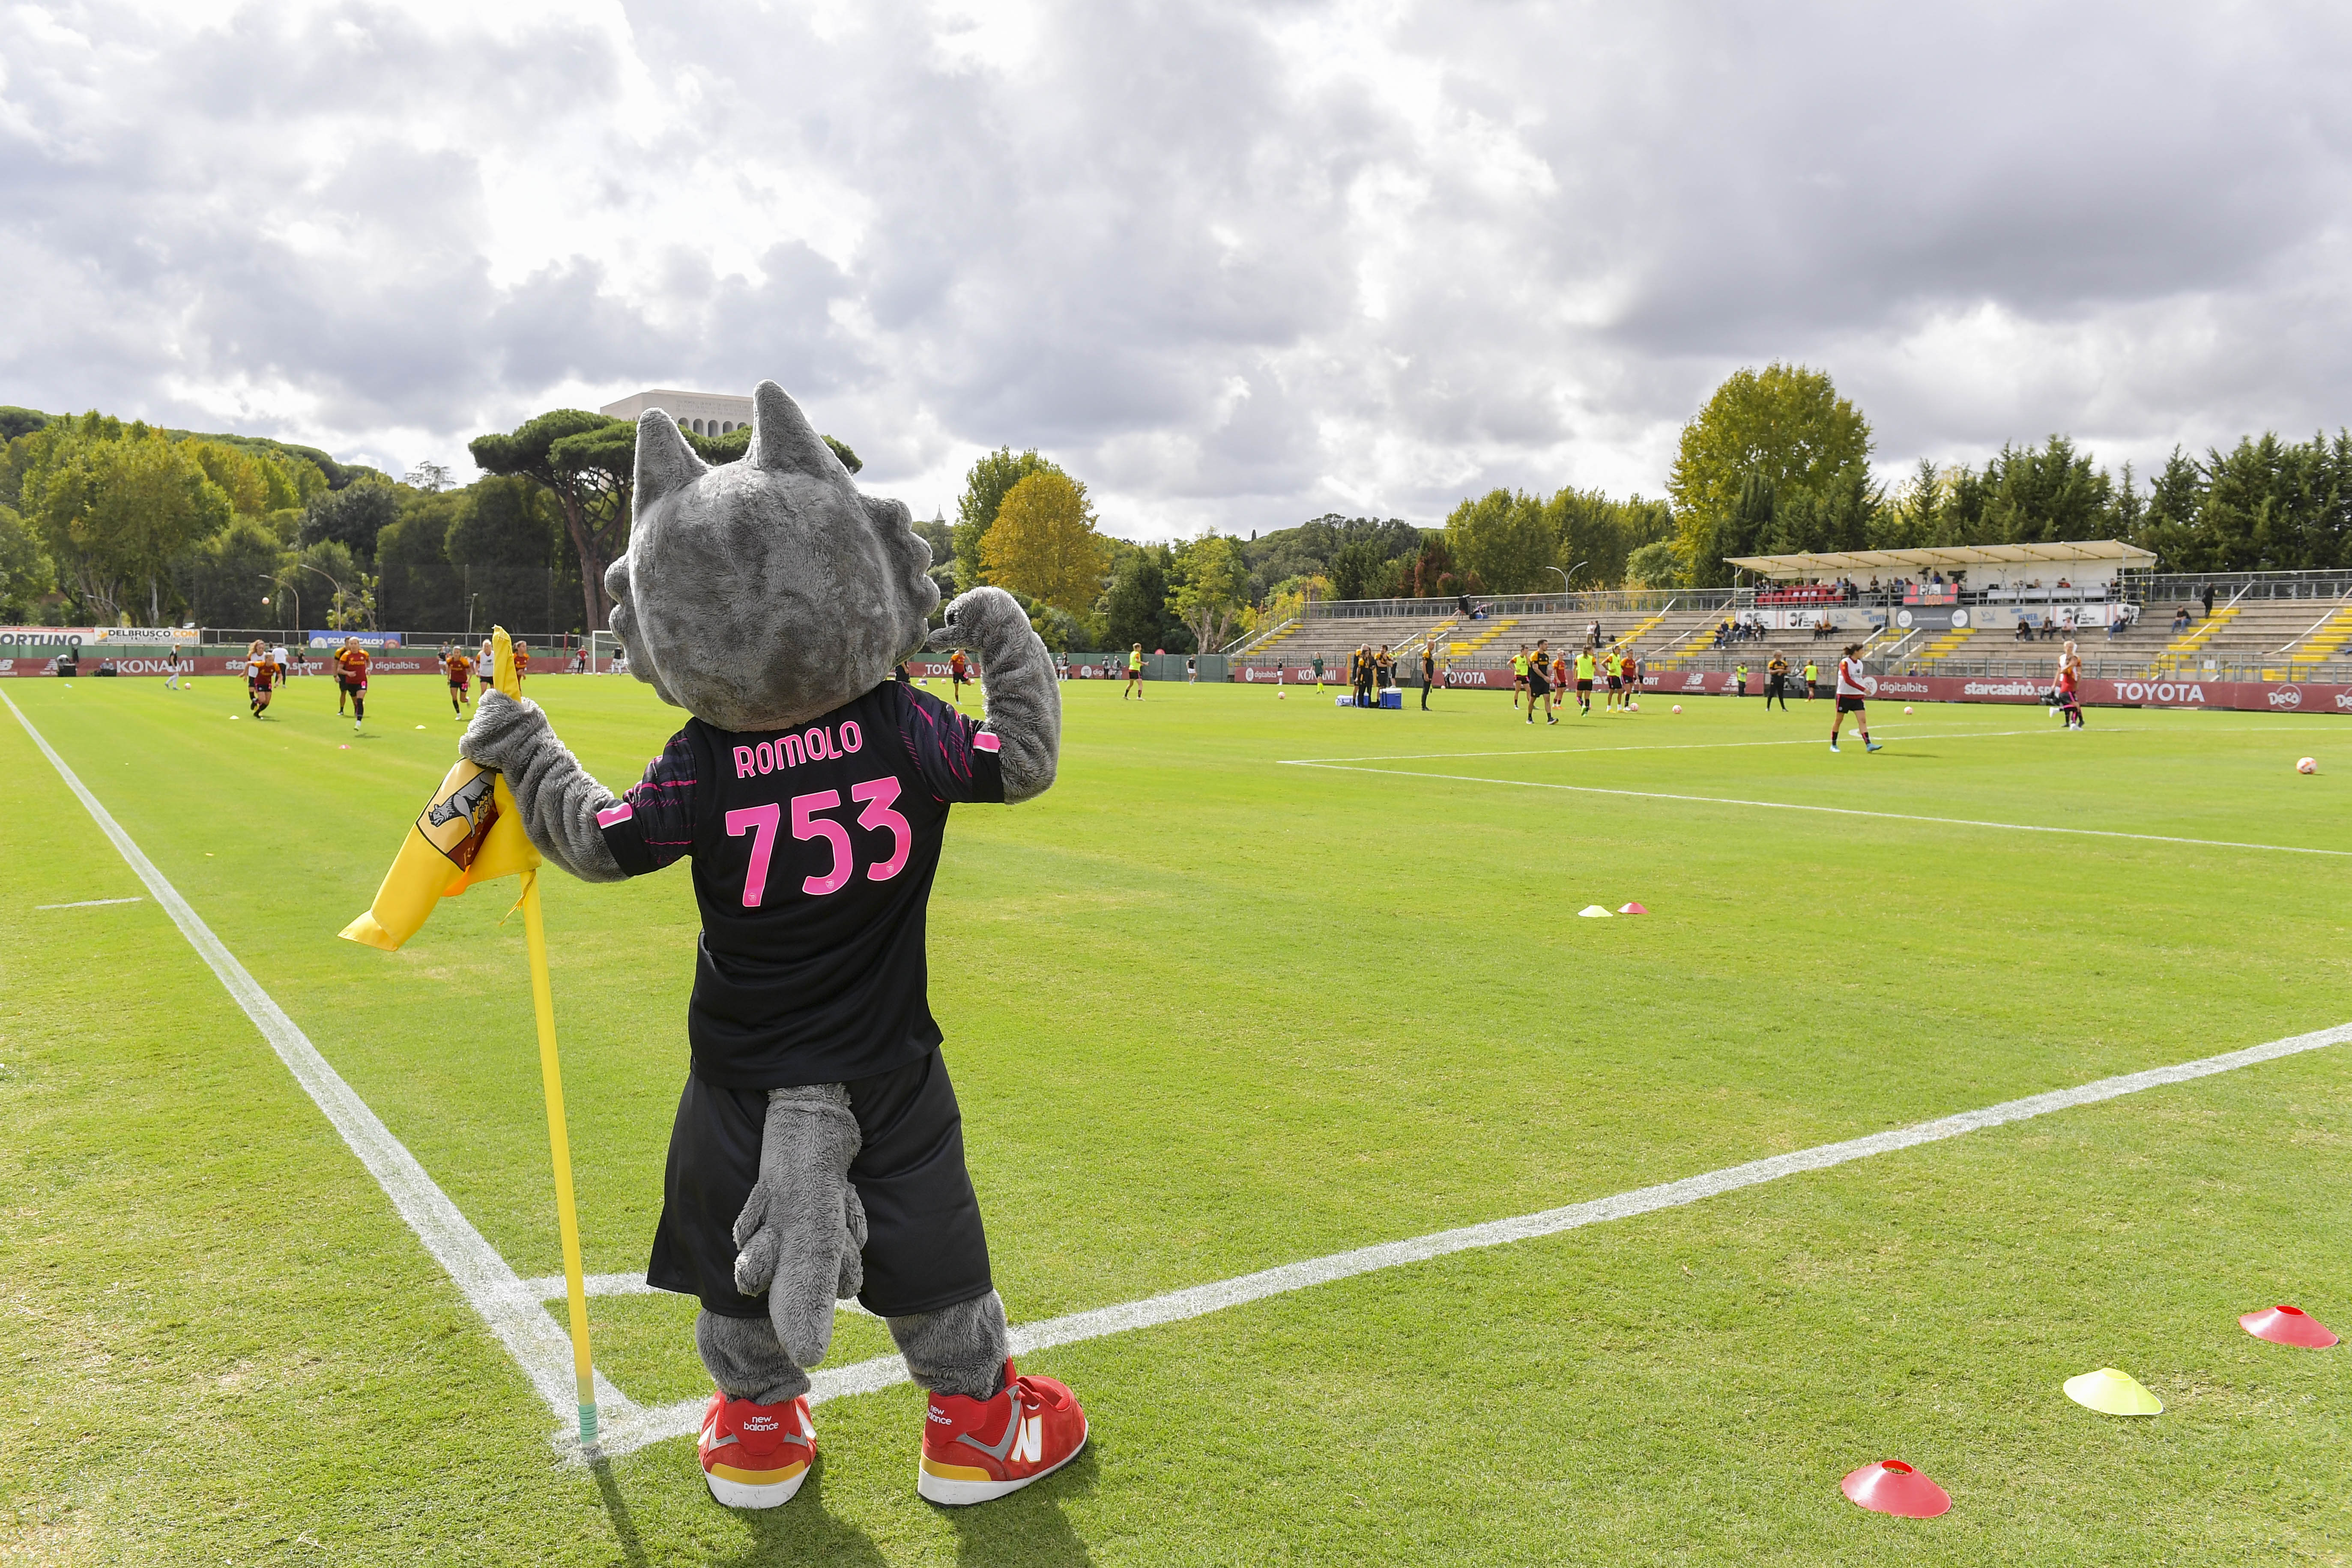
{"x": 1043, "y": 543}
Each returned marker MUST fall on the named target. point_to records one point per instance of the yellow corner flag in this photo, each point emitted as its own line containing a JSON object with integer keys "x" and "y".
{"x": 471, "y": 832}
{"x": 468, "y": 832}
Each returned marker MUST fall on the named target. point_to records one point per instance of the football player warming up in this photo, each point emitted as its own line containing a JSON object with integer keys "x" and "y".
{"x": 1852, "y": 686}
{"x": 459, "y": 669}
{"x": 351, "y": 682}
{"x": 260, "y": 674}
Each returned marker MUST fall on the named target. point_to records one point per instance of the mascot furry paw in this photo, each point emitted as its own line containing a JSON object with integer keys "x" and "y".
{"x": 817, "y": 1152}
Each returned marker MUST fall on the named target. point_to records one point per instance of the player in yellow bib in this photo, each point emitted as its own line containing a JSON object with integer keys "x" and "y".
{"x": 1584, "y": 681}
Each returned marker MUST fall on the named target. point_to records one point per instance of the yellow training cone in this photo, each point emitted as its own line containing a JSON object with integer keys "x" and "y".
{"x": 2112, "y": 1392}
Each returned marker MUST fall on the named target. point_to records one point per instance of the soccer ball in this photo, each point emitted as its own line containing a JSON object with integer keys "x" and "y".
{"x": 1281, "y": 696}
{"x": 2308, "y": 765}
{"x": 1678, "y": 707}
{"x": 1906, "y": 707}
{"x": 1634, "y": 706}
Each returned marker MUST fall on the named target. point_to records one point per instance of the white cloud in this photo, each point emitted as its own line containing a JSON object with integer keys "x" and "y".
{"x": 1233, "y": 265}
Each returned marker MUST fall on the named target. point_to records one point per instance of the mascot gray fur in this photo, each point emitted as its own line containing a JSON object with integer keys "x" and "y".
{"x": 817, "y": 1152}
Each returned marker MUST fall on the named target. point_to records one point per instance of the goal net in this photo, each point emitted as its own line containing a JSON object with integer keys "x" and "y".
{"x": 604, "y": 654}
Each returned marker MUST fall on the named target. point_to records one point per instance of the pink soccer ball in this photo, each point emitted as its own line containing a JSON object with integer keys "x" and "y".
{"x": 1678, "y": 707}
{"x": 1906, "y": 707}
{"x": 1634, "y": 706}
{"x": 2308, "y": 765}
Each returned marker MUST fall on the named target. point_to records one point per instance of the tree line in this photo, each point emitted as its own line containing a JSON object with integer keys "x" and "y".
{"x": 108, "y": 521}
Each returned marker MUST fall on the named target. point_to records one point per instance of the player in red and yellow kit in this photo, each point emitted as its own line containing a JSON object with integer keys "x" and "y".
{"x": 461, "y": 669}
{"x": 260, "y": 674}
{"x": 351, "y": 681}
{"x": 522, "y": 661}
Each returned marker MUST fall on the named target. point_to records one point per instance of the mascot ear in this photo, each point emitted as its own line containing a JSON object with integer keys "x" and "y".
{"x": 783, "y": 441}
{"x": 664, "y": 462}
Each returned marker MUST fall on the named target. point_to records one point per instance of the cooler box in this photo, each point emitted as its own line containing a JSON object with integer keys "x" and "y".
{"x": 1392, "y": 697}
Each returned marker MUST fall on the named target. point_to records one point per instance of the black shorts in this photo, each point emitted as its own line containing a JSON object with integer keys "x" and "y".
{"x": 346, "y": 683}
{"x": 1615, "y": 684}
{"x": 1849, "y": 705}
{"x": 924, "y": 1249}
{"x": 1584, "y": 686}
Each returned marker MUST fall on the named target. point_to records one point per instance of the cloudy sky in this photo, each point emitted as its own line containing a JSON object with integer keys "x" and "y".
{"x": 1233, "y": 266}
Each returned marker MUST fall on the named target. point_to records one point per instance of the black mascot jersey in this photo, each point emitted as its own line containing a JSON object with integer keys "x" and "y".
{"x": 814, "y": 853}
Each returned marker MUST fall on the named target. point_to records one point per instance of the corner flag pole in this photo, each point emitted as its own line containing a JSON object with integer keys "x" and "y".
{"x": 567, "y": 1213}
{"x": 551, "y": 1076}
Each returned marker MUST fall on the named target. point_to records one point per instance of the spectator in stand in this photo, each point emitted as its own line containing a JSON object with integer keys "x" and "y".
{"x": 2206, "y": 594}
{"x": 2024, "y": 628}
{"x": 2179, "y": 619}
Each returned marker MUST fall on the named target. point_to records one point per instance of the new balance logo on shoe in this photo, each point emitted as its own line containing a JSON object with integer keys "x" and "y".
{"x": 1012, "y": 1431}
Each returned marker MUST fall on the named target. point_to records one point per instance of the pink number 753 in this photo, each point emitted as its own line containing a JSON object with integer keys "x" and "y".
{"x": 878, "y": 816}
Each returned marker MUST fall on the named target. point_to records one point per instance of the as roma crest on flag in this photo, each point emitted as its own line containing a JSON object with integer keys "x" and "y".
{"x": 460, "y": 816}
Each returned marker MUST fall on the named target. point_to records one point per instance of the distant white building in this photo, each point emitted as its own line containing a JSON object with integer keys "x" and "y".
{"x": 704, "y": 413}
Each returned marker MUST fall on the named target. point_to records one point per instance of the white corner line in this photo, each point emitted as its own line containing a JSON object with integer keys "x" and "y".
{"x": 83, "y": 903}
{"x": 684, "y": 1417}
{"x": 489, "y": 1284}
{"x": 1825, "y": 810}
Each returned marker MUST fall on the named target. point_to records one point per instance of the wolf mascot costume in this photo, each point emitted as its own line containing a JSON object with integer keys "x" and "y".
{"x": 817, "y": 1152}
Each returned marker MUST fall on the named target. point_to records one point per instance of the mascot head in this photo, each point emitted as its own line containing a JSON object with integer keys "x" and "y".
{"x": 760, "y": 593}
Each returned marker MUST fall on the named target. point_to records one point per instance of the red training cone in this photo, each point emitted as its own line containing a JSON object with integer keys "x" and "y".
{"x": 1632, "y": 910}
{"x": 1890, "y": 1486}
{"x": 2285, "y": 1325}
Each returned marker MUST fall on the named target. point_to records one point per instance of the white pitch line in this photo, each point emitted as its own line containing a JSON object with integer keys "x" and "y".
{"x": 1898, "y": 733}
{"x": 1676, "y": 746}
{"x": 84, "y": 903}
{"x": 1826, "y": 810}
{"x": 684, "y": 1417}
{"x": 489, "y": 1283}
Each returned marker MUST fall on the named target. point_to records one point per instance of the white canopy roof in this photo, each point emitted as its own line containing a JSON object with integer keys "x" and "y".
{"x": 2111, "y": 552}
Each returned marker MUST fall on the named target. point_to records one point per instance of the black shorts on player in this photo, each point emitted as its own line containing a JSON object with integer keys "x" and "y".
{"x": 1853, "y": 705}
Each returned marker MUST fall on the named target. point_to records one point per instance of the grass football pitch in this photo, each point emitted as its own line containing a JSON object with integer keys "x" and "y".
{"x": 1209, "y": 1011}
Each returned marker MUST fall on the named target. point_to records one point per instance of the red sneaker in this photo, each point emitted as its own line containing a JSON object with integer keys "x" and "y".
{"x": 975, "y": 1450}
{"x": 756, "y": 1456}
